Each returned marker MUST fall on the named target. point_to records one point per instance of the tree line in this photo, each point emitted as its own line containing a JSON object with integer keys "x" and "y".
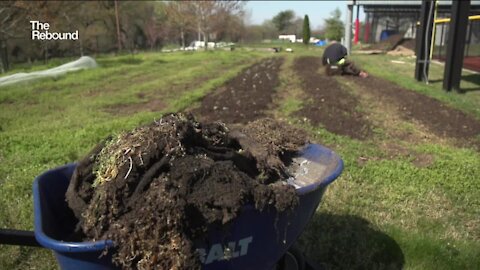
{"x": 127, "y": 26}
{"x": 113, "y": 26}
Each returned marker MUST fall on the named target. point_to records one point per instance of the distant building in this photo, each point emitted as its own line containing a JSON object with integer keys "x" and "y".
{"x": 291, "y": 38}
{"x": 311, "y": 40}
{"x": 402, "y": 17}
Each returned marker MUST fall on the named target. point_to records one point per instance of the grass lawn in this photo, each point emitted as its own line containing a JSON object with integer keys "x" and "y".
{"x": 53, "y": 122}
{"x": 385, "y": 210}
{"x": 403, "y": 74}
{"x": 388, "y": 208}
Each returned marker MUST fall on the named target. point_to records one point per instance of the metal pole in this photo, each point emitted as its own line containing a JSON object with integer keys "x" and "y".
{"x": 373, "y": 34}
{"x": 348, "y": 29}
{"x": 357, "y": 26}
{"x": 413, "y": 27}
{"x": 456, "y": 44}
{"x": 433, "y": 31}
{"x": 423, "y": 40}
{"x": 469, "y": 40}
{"x": 442, "y": 41}
{"x": 366, "y": 34}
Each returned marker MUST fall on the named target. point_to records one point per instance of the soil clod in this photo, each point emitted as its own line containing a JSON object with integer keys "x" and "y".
{"x": 156, "y": 190}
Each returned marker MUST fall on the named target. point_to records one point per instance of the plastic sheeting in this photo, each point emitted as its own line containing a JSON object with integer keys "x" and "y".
{"x": 84, "y": 62}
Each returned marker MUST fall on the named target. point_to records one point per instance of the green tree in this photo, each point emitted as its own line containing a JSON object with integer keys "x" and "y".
{"x": 334, "y": 26}
{"x": 296, "y": 27}
{"x": 306, "y": 30}
{"x": 283, "y": 20}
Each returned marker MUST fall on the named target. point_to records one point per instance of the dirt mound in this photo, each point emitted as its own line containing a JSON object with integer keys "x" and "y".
{"x": 401, "y": 51}
{"x": 408, "y": 43}
{"x": 405, "y": 47}
{"x": 330, "y": 105}
{"x": 245, "y": 97}
{"x": 157, "y": 189}
{"x": 440, "y": 118}
{"x": 394, "y": 45}
{"x": 387, "y": 44}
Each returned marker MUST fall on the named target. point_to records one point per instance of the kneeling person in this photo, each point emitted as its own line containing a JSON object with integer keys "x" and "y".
{"x": 334, "y": 58}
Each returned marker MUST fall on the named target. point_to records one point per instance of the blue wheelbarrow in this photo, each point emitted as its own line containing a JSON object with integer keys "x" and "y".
{"x": 255, "y": 240}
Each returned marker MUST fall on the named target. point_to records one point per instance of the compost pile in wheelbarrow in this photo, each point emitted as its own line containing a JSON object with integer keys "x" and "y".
{"x": 157, "y": 189}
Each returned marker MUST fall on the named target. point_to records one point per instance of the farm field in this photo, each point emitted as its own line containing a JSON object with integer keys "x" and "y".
{"x": 409, "y": 197}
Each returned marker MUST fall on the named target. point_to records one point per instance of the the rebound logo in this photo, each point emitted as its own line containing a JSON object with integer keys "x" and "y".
{"x": 40, "y": 32}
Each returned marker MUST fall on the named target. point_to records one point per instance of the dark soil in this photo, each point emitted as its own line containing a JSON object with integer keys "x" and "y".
{"x": 244, "y": 98}
{"x": 438, "y": 117}
{"x": 408, "y": 43}
{"x": 157, "y": 189}
{"x": 329, "y": 105}
{"x": 388, "y": 44}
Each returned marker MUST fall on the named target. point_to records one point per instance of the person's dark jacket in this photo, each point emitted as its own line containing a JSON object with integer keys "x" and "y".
{"x": 333, "y": 53}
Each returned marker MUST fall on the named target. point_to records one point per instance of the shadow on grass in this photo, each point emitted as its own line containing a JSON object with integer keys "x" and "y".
{"x": 471, "y": 78}
{"x": 159, "y": 61}
{"x": 349, "y": 242}
{"x": 110, "y": 62}
{"x": 25, "y": 254}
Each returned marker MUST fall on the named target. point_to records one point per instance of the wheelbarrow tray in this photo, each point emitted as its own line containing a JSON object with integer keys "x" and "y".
{"x": 254, "y": 240}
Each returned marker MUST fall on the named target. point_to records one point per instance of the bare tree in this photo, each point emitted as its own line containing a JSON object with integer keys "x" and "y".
{"x": 142, "y": 24}
{"x": 153, "y": 23}
{"x": 209, "y": 14}
{"x": 10, "y": 18}
{"x": 117, "y": 24}
{"x": 152, "y": 32}
{"x": 44, "y": 11}
{"x": 180, "y": 17}
{"x": 97, "y": 23}
{"x": 229, "y": 21}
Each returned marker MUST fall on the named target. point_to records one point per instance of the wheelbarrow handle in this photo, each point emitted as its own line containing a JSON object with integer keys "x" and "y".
{"x": 295, "y": 260}
{"x": 18, "y": 237}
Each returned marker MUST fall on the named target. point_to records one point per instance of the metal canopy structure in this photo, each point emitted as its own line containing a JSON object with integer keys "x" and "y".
{"x": 420, "y": 11}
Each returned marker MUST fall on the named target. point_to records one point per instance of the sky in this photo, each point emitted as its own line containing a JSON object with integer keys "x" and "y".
{"x": 317, "y": 11}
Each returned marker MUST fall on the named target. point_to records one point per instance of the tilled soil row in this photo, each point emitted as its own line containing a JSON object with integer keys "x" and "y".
{"x": 244, "y": 98}
{"x": 332, "y": 106}
{"x": 439, "y": 118}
